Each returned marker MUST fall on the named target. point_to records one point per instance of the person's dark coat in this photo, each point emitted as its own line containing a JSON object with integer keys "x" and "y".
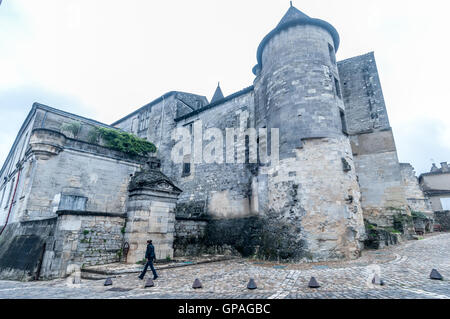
{"x": 150, "y": 252}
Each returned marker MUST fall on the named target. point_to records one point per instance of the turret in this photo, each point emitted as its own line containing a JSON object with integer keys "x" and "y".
{"x": 312, "y": 192}
{"x": 297, "y": 85}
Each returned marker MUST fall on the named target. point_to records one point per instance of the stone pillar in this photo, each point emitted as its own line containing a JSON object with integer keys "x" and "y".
{"x": 150, "y": 213}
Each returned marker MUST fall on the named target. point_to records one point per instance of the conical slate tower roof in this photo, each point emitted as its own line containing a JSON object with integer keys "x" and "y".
{"x": 291, "y": 15}
{"x": 218, "y": 95}
{"x": 294, "y": 17}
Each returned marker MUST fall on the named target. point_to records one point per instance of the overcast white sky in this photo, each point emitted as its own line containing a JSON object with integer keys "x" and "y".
{"x": 105, "y": 58}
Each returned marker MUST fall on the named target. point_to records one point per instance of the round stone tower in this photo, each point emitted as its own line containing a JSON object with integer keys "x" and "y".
{"x": 312, "y": 190}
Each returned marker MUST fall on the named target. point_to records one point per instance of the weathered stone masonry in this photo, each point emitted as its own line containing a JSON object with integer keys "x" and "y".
{"x": 55, "y": 174}
{"x": 332, "y": 186}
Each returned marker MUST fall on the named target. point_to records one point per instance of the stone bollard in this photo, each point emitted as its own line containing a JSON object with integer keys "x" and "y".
{"x": 435, "y": 275}
{"x": 251, "y": 284}
{"x": 108, "y": 282}
{"x": 197, "y": 284}
{"x": 313, "y": 283}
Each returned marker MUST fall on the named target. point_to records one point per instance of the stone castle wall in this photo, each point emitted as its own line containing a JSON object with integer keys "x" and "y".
{"x": 338, "y": 166}
{"x": 320, "y": 203}
{"x": 443, "y": 219}
{"x": 414, "y": 195}
{"x": 362, "y": 94}
{"x": 22, "y": 247}
{"x": 220, "y": 190}
{"x": 375, "y": 154}
{"x": 62, "y": 173}
{"x": 83, "y": 239}
{"x": 189, "y": 236}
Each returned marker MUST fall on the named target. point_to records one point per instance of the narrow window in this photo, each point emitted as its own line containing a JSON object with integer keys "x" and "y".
{"x": 332, "y": 54}
{"x": 343, "y": 122}
{"x": 186, "y": 169}
{"x": 141, "y": 122}
{"x": 190, "y": 127}
{"x": 144, "y": 119}
{"x": 338, "y": 88}
{"x": 186, "y": 166}
{"x": 147, "y": 119}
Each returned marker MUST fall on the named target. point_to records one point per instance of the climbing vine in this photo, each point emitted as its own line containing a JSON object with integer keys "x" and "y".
{"x": 419, "y": 215}
{"x": 121, "y": 141}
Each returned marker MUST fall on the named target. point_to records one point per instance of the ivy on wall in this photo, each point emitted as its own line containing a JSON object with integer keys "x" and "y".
{"x": 417, "y": 214}
{"x": 113, "y": 139}
{"x": 125, "y": 142}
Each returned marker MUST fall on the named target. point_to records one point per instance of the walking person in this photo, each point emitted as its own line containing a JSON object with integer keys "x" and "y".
{"x": 150, "y": 256}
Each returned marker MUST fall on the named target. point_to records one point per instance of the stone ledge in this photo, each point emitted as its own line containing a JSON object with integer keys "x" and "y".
{"x": 89, "y": 213}
{"x": 194, "y": 219}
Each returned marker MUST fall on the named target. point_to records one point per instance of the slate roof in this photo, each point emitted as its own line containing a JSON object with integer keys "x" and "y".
{"x": 211, "y": 105}
{"x": 218, "y": 95}
{"x": 292, "y": 14}
{"x": 294, "y": 17}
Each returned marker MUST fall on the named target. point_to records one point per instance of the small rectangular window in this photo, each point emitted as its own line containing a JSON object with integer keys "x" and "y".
{"x": 332, "y": 54}
{"x": 186, "y": 169}
{"x": 338, "y": 88}
{"x": 144, "y": 120}
{"x": 343, "y": 122}
{"x": 190, "y": 127}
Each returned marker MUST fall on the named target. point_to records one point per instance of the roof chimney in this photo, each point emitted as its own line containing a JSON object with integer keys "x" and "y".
{"x": 434, "y": 168}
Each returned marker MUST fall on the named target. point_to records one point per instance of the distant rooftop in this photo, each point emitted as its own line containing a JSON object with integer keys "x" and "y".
{"x": 444, "y": 169}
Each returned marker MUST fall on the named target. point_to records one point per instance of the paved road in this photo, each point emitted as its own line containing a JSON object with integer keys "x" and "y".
{"x": 404, "y": 268}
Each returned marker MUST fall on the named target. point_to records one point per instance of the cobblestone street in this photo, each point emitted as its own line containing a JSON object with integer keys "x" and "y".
{"x": 404, "y": 268}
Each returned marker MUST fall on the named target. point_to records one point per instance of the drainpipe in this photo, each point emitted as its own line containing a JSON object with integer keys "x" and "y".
{"x": 12, "y": 202}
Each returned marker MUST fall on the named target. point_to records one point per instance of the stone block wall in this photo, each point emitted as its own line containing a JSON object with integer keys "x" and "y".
{"x": 417, "y": 201}
{"x": 160, "y": 115}
{"x": 78, "y": 169}
{"x": 54, "y": 119}
{"x": 189, "y": 236}
{"x": 319, "y": 202}
{"x": 365, "y": 108}
{"x": 375, "y": 154}
{"x": 379, "y": 176}
{"x": 220, "y": 190}
{"x": 443, "y": 219}
{"x": 22, "y": 247}
{"x": 83, "y": 238}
